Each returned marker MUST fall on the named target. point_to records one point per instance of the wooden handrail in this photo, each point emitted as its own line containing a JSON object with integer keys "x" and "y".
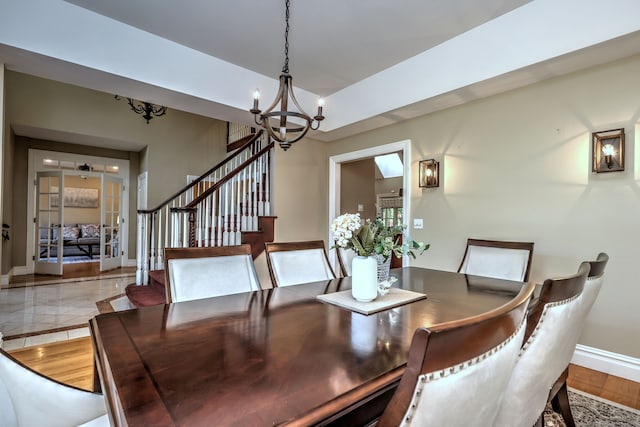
{"x": 228, "y": 176}
{"x": 203, "y": 176}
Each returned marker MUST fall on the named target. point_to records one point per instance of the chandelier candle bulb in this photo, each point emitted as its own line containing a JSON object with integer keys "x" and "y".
{"x": 319, "y": 116}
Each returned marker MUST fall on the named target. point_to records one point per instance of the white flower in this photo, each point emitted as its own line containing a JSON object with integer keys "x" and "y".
{"x": 344, "y": 227}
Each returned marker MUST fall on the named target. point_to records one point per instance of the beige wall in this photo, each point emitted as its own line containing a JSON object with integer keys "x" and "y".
{"x": 357, "y": 187}
{"x": 389, "y": 185}
{"x": 516, "y": 166}
{"x": 176, "y": 145}
{"x": 299, "y": 197}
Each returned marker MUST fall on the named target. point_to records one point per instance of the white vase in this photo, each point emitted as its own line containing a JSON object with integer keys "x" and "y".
{"x": 364, "y": 278}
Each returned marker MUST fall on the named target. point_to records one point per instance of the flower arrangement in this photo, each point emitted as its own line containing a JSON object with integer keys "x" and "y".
{"x": 373, "y": 237}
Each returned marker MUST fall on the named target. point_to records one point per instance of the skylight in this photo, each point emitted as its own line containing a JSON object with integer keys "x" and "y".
{"x": 389, "y": 165}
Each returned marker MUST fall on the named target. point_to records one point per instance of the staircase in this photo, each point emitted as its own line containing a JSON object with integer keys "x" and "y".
{"x": 228, "y": 205}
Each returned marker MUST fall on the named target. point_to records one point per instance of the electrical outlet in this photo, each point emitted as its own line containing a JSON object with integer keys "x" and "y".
{"x": 417, "y": 223}
{"x": 360, "y": 207}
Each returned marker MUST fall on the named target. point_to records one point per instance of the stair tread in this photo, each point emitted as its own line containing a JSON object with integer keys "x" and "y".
{"x": 144, "y": 296}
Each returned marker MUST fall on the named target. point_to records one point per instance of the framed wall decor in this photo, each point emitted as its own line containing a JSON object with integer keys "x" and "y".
{"x": 77, "y": 197}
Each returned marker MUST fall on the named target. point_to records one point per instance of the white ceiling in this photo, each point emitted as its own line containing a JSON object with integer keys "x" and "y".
{"x": 377, "y": 62}
{"x": 333, "y": 43}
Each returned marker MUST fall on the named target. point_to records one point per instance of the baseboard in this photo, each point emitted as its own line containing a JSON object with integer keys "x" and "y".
{"x": 19, "y": 271}
{"x": 610, "y": 363}
{"x": 15, "y": 271}
{"x": 131, "y": 263}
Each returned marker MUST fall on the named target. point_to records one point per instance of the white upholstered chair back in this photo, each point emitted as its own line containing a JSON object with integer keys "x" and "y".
{"x": 345, "y": 257}
{"x": 555, "y": 323}
{"x": 293, "y": 263}
{"x": 196, "y": 273}
{"x": 29, "y": 399}
{"x": 497, "y": 259}
{"x": 594, "y": 282}
{"x": 468, "y": 362}
{"x": 559, "y": 395}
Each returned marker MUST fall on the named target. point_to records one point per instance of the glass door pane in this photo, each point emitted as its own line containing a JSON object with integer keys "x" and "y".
{"x": 49, "y": 209}
{"x": 110, "y": 248}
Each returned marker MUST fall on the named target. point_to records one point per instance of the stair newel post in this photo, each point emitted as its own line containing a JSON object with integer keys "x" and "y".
{"x": 167, "y": 228}
{"x": 191, "y": 215}
{"x": 153, "y": 226}
{"x": 142, "y": 254}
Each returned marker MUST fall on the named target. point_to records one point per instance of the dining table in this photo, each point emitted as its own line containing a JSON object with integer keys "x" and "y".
{"x": 277, "y": 356}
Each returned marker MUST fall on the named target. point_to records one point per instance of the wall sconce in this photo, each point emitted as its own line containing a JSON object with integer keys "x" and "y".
{"x": 429, "y": 173}
{"x": 607, "y": 151}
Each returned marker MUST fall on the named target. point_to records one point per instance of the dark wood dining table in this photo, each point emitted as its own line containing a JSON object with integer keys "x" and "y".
{"x": 273, "y": 357}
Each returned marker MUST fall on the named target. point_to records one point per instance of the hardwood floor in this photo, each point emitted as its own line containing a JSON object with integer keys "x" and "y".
{"x": 71, "y": 362}
{"x": 606, "y": 386}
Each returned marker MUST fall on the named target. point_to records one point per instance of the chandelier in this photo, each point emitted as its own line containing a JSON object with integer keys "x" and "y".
{"x": 286, "y": 133}
{"x": 147, "y": 109}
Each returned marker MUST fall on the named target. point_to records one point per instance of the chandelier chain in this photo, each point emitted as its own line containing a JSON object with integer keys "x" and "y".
{"x": 285, "y": 68}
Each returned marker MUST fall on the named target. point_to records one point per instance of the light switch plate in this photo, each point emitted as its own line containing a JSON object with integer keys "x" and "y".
{"x": 417, "y": 223}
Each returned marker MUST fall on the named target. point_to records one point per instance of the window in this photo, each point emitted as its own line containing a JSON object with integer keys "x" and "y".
{"x": 390, "y": 210}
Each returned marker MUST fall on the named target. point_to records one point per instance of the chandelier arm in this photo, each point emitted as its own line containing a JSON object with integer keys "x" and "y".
{"x": 279, "y": 95}
{"x": 139, "y": 108}
{"x": 295, "y": 101}
{"x": 159, "y": 111}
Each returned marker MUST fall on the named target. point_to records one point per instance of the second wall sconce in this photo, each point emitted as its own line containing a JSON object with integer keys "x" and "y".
{"x": 607, "y": 151}
{"x": 429, "y": 173}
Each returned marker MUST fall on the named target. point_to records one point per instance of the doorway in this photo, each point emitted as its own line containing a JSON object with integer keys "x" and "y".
{"x": 337, "y": 162}
{"x": 79, "y": 205}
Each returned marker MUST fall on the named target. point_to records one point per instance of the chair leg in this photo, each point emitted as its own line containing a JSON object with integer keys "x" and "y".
{"x": 560, "y": 403}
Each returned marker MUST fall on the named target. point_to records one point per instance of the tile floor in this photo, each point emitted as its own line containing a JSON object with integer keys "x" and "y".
{"x": 52, "y": 305}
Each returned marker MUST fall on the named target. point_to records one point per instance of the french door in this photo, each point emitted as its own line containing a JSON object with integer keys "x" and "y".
{"x": 49, "y": 217}
{"x": 111, "y": 219}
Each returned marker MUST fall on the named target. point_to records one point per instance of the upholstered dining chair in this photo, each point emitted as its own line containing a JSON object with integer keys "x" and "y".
{"x": 292, "y": 263}
{"x": 345, "y": 257}
{"x": 204, "y": 272}
{"x": 559, "y": 396}
{"x": 30, "y": 399}
{"x": 497, "y": 259}
{"x": 554, "y": 324}
{"x": 467, "y": 361}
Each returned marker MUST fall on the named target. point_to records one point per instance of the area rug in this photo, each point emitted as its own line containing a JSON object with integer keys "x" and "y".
{"x": 592, "y": 411}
